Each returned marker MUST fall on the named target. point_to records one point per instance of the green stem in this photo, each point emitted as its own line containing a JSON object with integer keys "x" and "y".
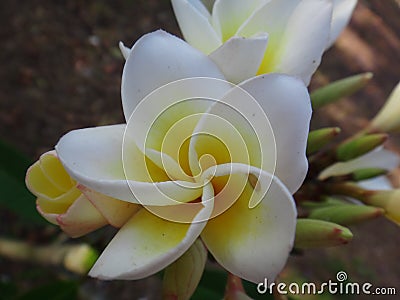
{"x": 76, "y": 258}
{"x": 347, "y": 189}
{"x": 23, "y": 251}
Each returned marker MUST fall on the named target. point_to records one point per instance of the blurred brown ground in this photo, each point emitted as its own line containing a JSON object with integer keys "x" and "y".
{"x": 60, "y": 70}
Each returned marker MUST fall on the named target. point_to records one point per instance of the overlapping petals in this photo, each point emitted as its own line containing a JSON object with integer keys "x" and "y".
{"x": 60, "y": 199}
{"x": 308, "y": 26}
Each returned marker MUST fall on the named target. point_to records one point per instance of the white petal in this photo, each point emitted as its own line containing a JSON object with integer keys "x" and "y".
{"x": 116, "y": 212}
{"x": 271, "y": 18}
{"x": 230, "y": 14}
{"x": 234, "y": 129}
{"x": 164, "y": 121}
{"x": 196, "y": 26}
{"x": 304, "y": 40}
{"x": 147, "y": 244}
{"x": 81, "y": 218}
{"x": 219, "y": 139}
{"x": 379, "y": 158}
{"x": 240, "y": 58}
{"x": 342, "y": 11}
{"x": 286, "y": 104}
{"x": 298, "y": 32}
{"x": 254, "y": 243}
{"x": 174, "y": 103}
{"x": 172, "y": 166}
{"x": 124, "y": 50}
{"x": 93, "y": 156}
{"x": 159, "y": 58}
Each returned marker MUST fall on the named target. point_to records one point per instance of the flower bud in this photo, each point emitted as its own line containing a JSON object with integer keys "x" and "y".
{"x": 66, "y": 203}
{"x": 59, "y": 200}
{"x": 346, "y": 214}
{"x": 367, "y": 173}
{"x": 389, "y": 201}
{"x": 319, "y": 138}
{"x": 80, "y": 259}
{"x": 359, "y": 146}
{"x": 371, "y": 164}
{"x": 387, "y": 119}
{"x": 338, "y": 89}
{"x": 316, "y": 233}
{"x": 182, "y": 277}
{"x": 327, "y": 201}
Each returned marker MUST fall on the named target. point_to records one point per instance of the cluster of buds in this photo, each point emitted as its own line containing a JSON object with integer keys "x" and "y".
{"x": 347, "y": 182}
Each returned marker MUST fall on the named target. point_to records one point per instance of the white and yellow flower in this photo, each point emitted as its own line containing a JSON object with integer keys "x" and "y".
{"x": 252, "y": 37}
{"x": 195, "y": 153}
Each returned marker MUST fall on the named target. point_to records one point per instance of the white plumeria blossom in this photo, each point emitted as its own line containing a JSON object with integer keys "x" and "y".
{"x": 195, "y": 153}
{"x": 263, "y": 36}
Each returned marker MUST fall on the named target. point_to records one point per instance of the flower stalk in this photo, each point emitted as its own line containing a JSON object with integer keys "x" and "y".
{"x": 75, "y": 258}
{"x": 349, "y": 189}
{"x": 234, "y": 289}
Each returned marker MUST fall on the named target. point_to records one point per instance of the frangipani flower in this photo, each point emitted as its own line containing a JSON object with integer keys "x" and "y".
{"x": 195, "y": 153}
{"x": 252, "y": 37}
{"x": 60, "y": 199}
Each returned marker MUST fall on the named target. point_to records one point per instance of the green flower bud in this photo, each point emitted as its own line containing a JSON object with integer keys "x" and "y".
{"x": 346, "y": 214}
{"x": 367, "y": 173}
{"x": 339, "y": 89}
{"x": 327, "y": 201}
{"x": 319, "y": 138}
{"x": 316, "y": 233}
{"x": 359, "y": 146}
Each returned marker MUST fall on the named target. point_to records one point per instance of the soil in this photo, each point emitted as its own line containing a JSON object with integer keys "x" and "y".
{"x": 61, "y": 70}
